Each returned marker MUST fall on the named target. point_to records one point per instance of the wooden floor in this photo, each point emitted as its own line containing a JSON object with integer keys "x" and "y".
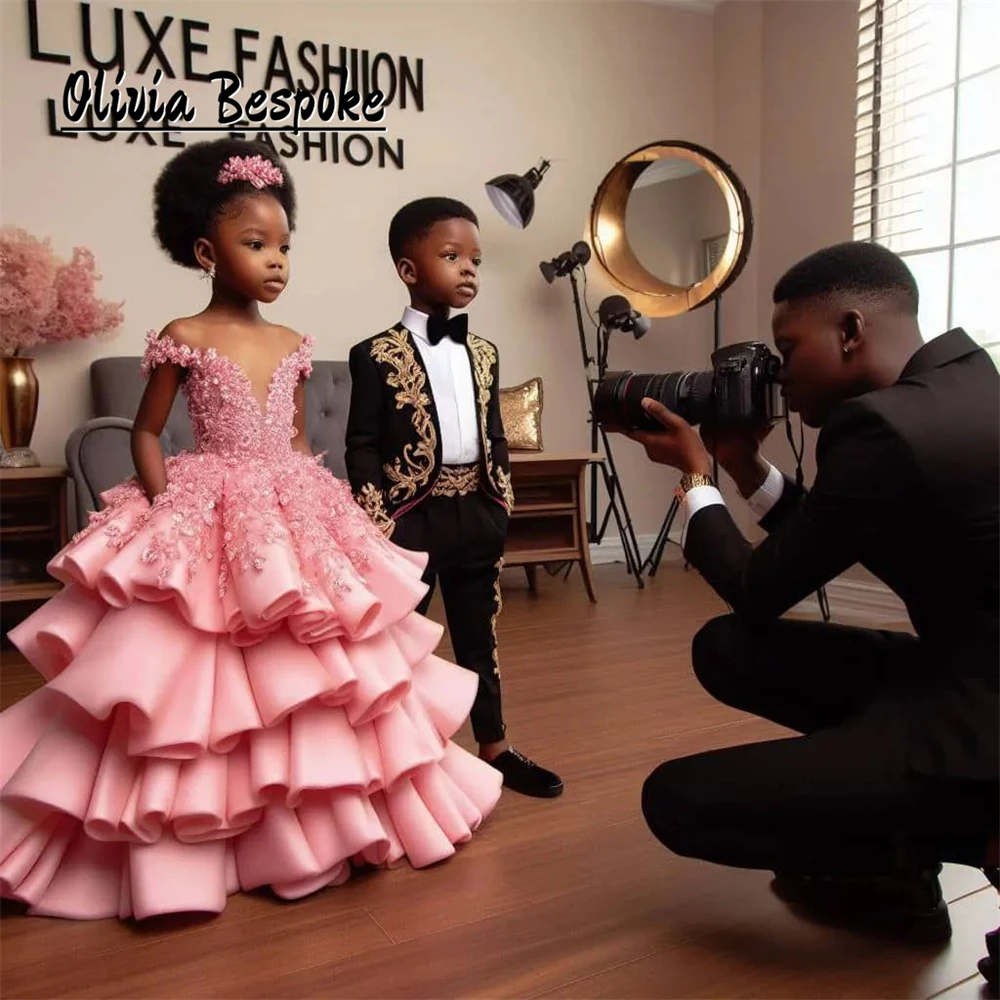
{"x": 566, "y": 898}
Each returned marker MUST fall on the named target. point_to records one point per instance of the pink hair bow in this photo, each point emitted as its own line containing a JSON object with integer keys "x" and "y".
{"x": 256, "y": 170}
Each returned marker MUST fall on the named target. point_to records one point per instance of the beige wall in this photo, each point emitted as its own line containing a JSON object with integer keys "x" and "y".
{"x": 784, "y": 118}
{"x": 580, "y": 83}
{"x": 768, "y": 85}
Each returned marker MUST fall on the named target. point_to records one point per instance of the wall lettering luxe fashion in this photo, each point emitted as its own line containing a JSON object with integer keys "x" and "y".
{"x": 316, "y": 102}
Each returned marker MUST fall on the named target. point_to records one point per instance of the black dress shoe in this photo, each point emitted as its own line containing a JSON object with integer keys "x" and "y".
{"x": 525, "y": 776}
{"x": 907, "y": 906}
{"x": 989, "y": 967}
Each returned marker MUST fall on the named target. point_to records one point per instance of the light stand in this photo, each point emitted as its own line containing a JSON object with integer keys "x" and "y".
{"x": 623, "y": 519}
{"x": 566, "y": 264}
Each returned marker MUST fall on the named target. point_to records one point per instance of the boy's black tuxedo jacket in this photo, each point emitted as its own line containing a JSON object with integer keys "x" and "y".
{"x": 908, "y": 485}
{"x": 393, "y": 439}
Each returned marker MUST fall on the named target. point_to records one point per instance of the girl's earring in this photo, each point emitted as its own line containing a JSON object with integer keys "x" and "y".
{"x": 210, "y": 274}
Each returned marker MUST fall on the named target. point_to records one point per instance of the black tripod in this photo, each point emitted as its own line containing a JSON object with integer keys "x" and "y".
{"x": 616, "y": 499}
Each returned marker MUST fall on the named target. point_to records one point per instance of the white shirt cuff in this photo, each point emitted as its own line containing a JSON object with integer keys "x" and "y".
{"x": 768, "y": 493}
{"x": 701, "y": 496}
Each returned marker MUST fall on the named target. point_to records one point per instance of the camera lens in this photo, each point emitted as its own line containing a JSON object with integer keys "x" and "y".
{"x": 632, "y": 395}
{"x": 696, "y": 397}
{"x": 688, "y": 394}
{"x": 607, "y": 399}
{"x": 618, "y": 397}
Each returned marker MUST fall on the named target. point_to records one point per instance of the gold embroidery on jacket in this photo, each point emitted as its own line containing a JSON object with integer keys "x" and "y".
{"x": 413, "y": 471}
{"x": 370, "y": 499}
{"x": 506, "y": 489}
{"x": 484, "y": 357}
{"x": 497, "y": 608}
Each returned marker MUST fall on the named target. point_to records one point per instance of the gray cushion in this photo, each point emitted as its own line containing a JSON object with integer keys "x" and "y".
{"x": 99, "y": 456}
{"x": 116, "y": 387}
{"x": 99, "y": 453}
{"x": 328, "y": 399}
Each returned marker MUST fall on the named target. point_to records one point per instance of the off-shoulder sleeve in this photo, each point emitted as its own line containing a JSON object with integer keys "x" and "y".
{"x": 305, "y": 356}
{"x": 161, "y": 350}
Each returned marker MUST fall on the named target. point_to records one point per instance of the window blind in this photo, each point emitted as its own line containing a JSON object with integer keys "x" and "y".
{"x": 927, "y": 152}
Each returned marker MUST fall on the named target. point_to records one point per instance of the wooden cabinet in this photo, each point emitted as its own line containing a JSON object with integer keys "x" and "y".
{"x": 549, "y": 521}
{"x": 32, "y": 530}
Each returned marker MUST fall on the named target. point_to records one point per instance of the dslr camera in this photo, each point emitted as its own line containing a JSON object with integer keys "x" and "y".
{"x": 742, "y": 387}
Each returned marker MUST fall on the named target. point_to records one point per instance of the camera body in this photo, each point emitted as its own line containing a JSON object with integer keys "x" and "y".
{"x": 742, "y": 387}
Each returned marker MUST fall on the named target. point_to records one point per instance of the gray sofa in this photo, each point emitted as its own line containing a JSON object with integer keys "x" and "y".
{"x": 99, "y": 455}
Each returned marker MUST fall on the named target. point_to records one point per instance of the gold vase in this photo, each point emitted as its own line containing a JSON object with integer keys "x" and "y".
{"x": 18, "y": 410}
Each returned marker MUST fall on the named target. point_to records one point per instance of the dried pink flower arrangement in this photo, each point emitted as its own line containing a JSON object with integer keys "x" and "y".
{"x": 46, "y": 300}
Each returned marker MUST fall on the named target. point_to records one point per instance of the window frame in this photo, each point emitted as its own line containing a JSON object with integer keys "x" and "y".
{"x": 871, "y": 202}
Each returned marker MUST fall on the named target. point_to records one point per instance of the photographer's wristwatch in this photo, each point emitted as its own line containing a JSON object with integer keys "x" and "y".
{"x": 689, "y": 481}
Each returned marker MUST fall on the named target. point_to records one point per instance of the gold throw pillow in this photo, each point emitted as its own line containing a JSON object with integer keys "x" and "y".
{"x": 521, "y": 411}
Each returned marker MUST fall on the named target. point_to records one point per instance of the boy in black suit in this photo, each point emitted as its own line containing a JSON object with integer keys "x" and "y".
{"x": 427, "y": 457}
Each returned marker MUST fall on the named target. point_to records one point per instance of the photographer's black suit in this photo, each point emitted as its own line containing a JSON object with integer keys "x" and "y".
{"x": 901, "y": 732}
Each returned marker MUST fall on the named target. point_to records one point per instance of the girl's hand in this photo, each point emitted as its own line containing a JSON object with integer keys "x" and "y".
{"x": 158, "y": 499}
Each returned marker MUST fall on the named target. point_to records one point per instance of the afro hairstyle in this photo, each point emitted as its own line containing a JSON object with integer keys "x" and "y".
{"x": 858, "y": 267}
{"x": 414, "y": 221}
{"x": 187, "y": 197}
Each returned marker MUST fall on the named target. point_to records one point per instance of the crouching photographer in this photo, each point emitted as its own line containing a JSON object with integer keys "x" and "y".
{"x": 897, "y": 766}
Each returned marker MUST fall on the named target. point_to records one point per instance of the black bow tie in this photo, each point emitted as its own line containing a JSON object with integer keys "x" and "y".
{"x": 457, "y": 328}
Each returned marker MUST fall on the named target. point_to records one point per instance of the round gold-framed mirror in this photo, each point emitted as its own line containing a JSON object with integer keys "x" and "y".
{"x": 671, "y": 226}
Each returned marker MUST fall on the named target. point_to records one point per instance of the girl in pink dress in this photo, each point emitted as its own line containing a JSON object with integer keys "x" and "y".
{"x": 239, "y": 691}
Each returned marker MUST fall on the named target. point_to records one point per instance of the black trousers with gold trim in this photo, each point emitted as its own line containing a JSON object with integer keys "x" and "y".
{"x": 464, "y": 536}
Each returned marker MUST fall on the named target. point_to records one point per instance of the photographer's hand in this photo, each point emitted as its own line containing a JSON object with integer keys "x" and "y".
{"x": 677, "y": 445}
{"x": 737, "y": 450}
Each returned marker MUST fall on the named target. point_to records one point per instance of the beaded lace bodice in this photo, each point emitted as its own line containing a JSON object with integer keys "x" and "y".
{"x": 243, "y": 489}
{"x": 227, "y": 417}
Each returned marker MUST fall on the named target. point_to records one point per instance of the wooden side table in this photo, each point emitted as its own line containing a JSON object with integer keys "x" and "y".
{"x": 549, "y": 522}
{"x": 32, "y": 530}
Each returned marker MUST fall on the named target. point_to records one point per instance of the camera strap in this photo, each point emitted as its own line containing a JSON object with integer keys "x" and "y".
{"x": 821, "y": 596}
{"x": 797, "y": 452}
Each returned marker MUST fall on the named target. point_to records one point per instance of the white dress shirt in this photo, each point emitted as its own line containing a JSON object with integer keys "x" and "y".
{"x": 761, "y": 501}
{"x": 450, "y": 373}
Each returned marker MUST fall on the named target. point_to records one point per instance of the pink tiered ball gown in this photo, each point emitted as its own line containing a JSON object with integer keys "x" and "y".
{"x": 239, "y": 691}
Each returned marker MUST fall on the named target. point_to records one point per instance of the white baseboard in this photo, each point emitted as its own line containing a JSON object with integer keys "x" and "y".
{"x": 849, "y": 600}
{"x": 611, "y": 550}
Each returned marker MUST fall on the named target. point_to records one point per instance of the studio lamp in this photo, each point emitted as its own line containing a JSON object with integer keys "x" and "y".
{"x": 567, "y": 261}
{"x": 513, "y": 195}
{"x": 616, "y": 313}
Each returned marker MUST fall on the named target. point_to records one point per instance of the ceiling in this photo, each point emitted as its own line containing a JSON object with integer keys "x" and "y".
{"x": 702, "y": 6}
